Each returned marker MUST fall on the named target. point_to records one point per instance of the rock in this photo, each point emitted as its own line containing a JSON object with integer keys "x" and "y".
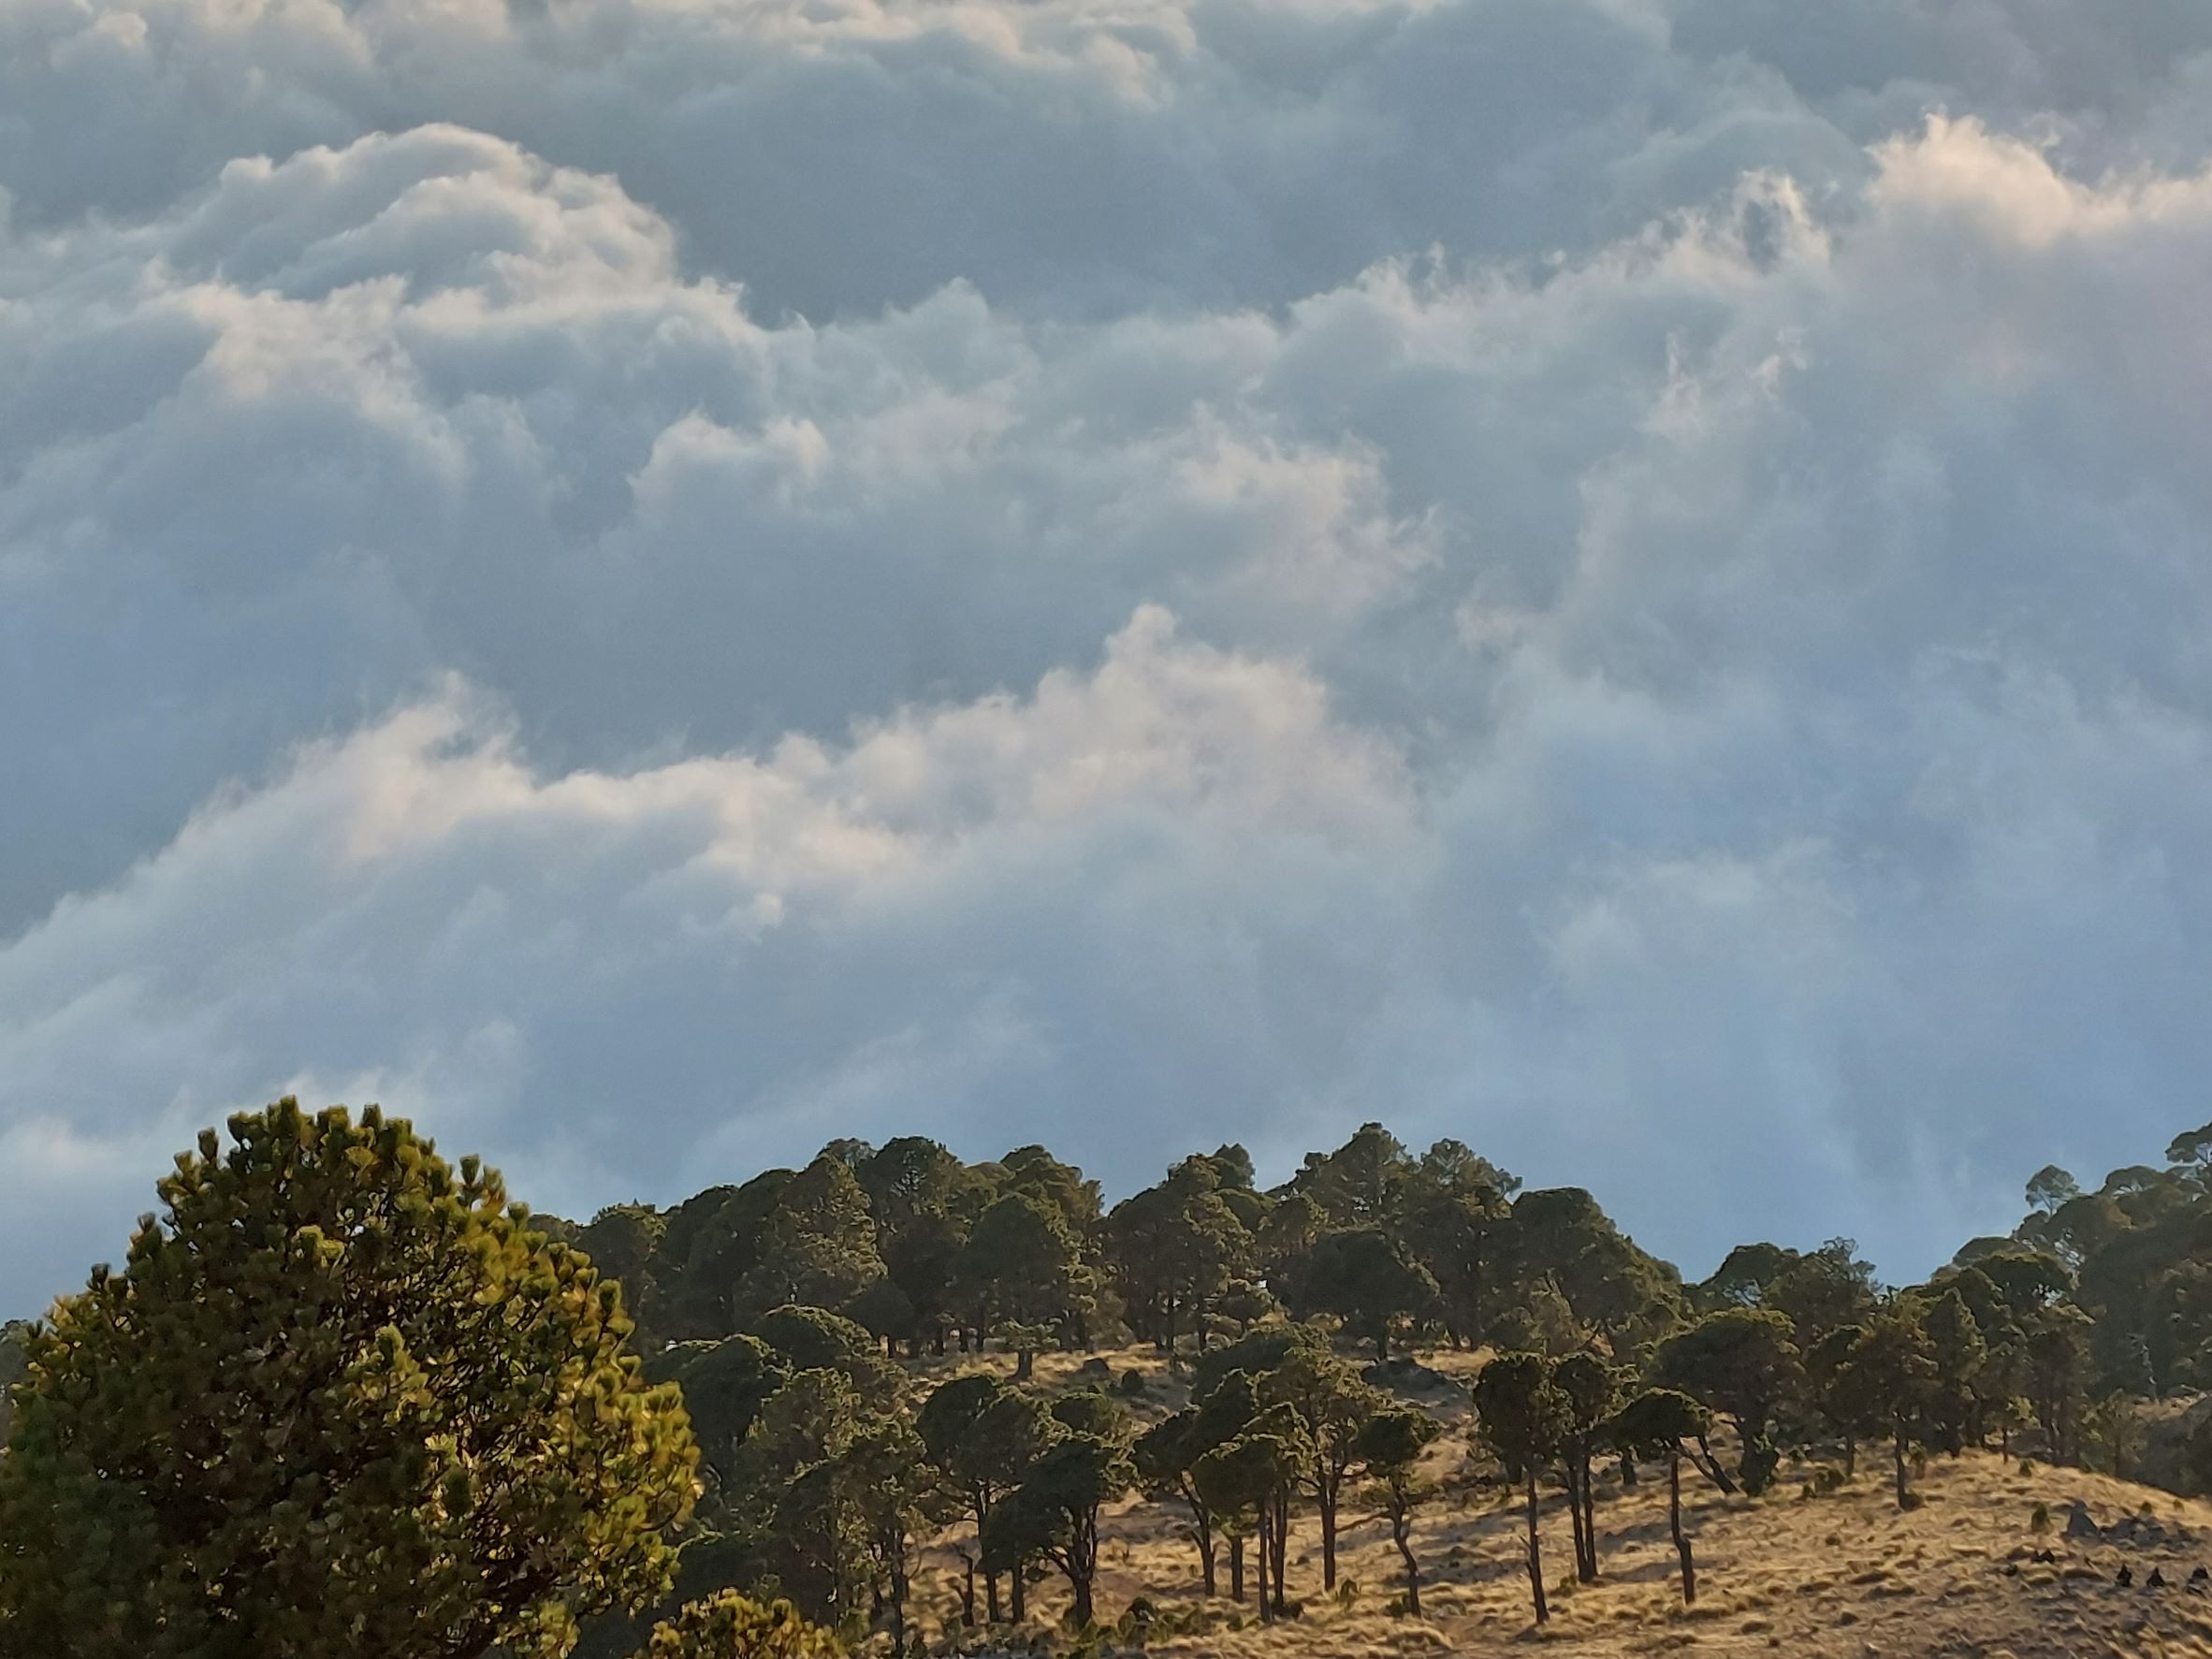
{"x": 2079, "y": 1524}
{"x": 2156, "y": 1581}
{"x": 2125, "y": 1577}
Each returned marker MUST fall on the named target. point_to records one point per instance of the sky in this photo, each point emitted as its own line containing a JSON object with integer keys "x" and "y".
{"x": 649, "y": 583}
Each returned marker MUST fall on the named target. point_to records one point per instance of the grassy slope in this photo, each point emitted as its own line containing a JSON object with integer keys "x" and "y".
{"x": 1843, "y": 1574}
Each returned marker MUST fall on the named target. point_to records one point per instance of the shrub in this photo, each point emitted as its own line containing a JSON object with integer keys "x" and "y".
{"x": 2039, "y": 1519}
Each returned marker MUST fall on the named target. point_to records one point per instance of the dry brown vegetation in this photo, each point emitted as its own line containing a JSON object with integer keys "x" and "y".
{"x": 1843, "y": 1574}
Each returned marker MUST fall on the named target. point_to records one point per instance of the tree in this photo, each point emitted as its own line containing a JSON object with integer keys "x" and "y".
{"x": 1836, "y": 1390}
{"x": 2051, "y": 1186}
{"x": 1521, "y": 1416}
{"x": 1959, "y": 1351}
{"x": 1365, "y": 1279}
{"x": 795, "y": 1504}
{"x": 1892, "y": 1368}
{"x": 1255, "y": 1474}
{"x": 915, "y": 1192}
{"x": 1174, "y": 1247}
{"x": 982, "y": 1437}
{"x": 1741, "y": 1362}
{"x": 1363, "y": 1182}
{"x": 1333, "y": 1405}
{"x": 1742, "y": 1278}
{"x": 1586, "y": 1383}
{"x": 2058, "y": 1353}
{"x": 1055, "y": 1513}
{"x": 1822, "y": 1289}
{"x": 342, "y": 1400}
{"x": 817, "y": 1245}
{"x": 1022, "y": 1262}
{"x": 898, "y": 1501}
{"x": 1656, "y": 1424}
{"x": 1168, "y": 1456}
{"x": 1390, "y": 1444}
{"x": 1562, "y": 1239}
{"x": 732, "y": 1626}
{"x": 723, "y": 1385}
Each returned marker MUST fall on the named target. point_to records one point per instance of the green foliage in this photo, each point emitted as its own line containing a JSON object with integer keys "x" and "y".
{"x": 1656, "y": 1421}
{"x": 1744, "y": 1364}
{"x": 1023, "y": 1264}
{"x": 1363, "y": 1277}
{"x": 1521, "y": 1414}
{"x": 732, "y": 1626}
{"x": 723, "y": 1385}
{"x": 1053, "y": 1513}
{"x": 342, "y": 1400}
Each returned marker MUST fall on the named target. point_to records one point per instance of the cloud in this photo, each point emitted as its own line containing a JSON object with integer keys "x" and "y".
{"x": 655, "y": 583}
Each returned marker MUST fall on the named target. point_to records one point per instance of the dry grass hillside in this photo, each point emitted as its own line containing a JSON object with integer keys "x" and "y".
{"x": 1843, "y": 1574}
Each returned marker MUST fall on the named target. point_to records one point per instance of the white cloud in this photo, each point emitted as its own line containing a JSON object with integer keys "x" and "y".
{"x": 1689, "y": 575}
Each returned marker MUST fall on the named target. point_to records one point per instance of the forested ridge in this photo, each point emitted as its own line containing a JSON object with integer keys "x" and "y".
{"x": 373, "y": 1406}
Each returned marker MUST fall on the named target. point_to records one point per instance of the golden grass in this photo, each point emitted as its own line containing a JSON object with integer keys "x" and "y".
{"x": 1841, "y": 1575}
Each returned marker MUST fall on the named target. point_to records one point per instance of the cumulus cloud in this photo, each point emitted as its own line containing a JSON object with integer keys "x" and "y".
{"x": 655, "y": 583}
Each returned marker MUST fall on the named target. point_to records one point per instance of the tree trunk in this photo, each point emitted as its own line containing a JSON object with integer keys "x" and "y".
{"x": 1236, "y": 1566}
{"x": 1850, "y": 1455}
{"x": 1277, "y": 1544}
{"x": 1400, "y": 1533}
{"x": 1574, "y": 1501}
{"x": 1674, "y": 1519}
{"x": 1709, "y": 1466}
{"x": 898, "y": 1606}
{"x": 1018, "y": 1594}
{"x": 1325, "y": 1501}
{"x": 1201, "y": 1532}
{"x": 1536, "y": 1552}
{"x": 1590, "y": 1519}
{"x": 1897, "y": 1448}
{"x": 1267, "y": 1603}
{"x": 1627, "y": 1472}
{"x": 1024, "y": 1364}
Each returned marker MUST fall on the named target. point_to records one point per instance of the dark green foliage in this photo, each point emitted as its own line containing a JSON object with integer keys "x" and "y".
{"x": 1663, "y": 1423}
{"x": 723, "y": 1385}
{"x": 1023, "y": 1264}
{"x": 983, "y": 1437}
{"x": 1364, "y": 1278}
{"x": 1521, "y": 1416}
{"x": 1053, "y": 1513}
{"x": 1389, "y": 1444}
{"x": 342, "y": 1401}
{"x": 1744, "y": 1364}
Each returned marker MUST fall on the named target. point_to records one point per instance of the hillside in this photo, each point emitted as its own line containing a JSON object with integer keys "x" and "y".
{"x": 1841, "y": 1574}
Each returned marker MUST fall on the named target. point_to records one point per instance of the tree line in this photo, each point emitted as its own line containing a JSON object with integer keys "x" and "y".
{"x": 345, "y": 1398}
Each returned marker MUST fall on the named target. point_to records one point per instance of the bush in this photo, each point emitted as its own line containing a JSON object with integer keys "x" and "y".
{"x": 2039, "y": 1519}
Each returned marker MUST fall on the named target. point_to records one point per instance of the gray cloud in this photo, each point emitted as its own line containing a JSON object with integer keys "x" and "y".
{"x": 1581, "y": 576}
